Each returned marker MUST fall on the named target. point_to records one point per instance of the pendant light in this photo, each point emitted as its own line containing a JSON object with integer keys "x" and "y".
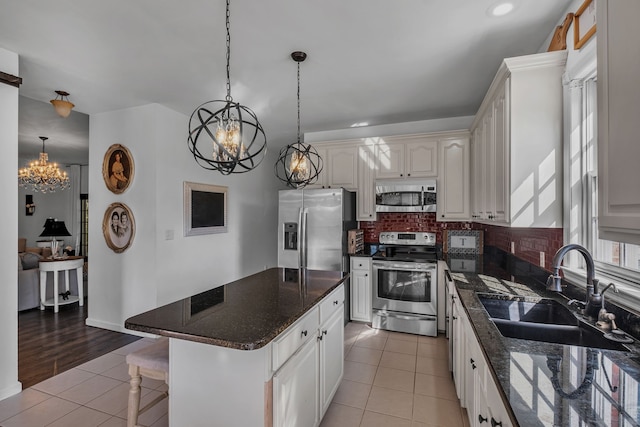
{"x": 298, "y": 164}
{"x": 224, "y": 135}
{"x": 61, "y": 104}
{"x": 43, "y": 176}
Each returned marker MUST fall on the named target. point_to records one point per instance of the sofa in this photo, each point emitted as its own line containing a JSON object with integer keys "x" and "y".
{"x": 29, "y": 277}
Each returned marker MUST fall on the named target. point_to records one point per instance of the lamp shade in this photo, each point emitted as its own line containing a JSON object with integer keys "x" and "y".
{"x": 62, "y": 104}
{"x": 53, "y": 228}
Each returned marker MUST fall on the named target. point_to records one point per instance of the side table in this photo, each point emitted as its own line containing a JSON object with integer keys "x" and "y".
{"x": 55, "y": 265}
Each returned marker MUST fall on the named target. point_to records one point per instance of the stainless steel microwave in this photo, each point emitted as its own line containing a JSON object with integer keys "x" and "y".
{"x": 406, "y": 196}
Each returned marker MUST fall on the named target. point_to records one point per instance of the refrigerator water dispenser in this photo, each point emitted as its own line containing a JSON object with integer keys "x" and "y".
{"x": 291, "y": 236}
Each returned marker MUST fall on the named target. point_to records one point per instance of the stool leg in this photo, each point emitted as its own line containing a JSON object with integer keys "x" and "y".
{"x": 134, "y": 396}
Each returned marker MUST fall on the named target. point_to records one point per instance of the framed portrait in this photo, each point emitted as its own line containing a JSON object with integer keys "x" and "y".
{"x": 117, "y": 168}
{"x": 118, "y": 227}
{"x": 205, "y": 209}
{"x": 584, "y": 23}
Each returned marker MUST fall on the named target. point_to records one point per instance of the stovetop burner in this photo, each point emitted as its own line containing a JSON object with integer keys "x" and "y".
{"x": 407, "y": 246}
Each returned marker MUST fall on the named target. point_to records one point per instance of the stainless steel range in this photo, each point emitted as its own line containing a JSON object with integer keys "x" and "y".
{"x": 405, "y": 274}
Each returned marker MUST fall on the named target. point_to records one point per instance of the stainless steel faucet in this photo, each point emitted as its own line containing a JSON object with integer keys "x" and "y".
{"x": 594, "y": 300}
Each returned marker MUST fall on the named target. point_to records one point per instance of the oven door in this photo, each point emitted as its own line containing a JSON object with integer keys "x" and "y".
{"x": 408, "y": 287}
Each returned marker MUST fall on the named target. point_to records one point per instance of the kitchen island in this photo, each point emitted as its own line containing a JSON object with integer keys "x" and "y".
{"x": 263, "y": 350}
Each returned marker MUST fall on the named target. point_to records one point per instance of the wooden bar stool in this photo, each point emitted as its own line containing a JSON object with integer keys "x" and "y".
{"x": 151, "y": 362}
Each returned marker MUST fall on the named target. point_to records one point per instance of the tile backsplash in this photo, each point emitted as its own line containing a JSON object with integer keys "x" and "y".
{"x": 528, "y": 243}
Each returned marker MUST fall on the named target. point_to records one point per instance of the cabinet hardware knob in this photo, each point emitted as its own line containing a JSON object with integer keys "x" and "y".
{"x": 495, "y": 423}
{"x": 366, "y": 275}
{"x": 359, "y": 265}
{"x": 473, "y": 366}
{"x": 324, "y": 332}
{"x": 482, "y": 419}
{"x": 335, "y": 302}
{"x": 401, "y": 175}
{"x": 408, "y": 174}
{"x": 304, "y": 333}
{"x": 319, "y": 338}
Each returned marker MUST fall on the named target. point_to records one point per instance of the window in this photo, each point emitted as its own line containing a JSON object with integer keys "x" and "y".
{"x": 615, "y": 261}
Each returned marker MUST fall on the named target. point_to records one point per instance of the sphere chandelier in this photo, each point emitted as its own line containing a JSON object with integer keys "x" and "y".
{"x": 298, "y": 164}
{"x": 224, "y": 135}
{"x": 43, "y": 176}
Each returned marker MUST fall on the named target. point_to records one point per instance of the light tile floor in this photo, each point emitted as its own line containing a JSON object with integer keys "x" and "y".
{"x": 393, "y": 379}
{"x": 390, "y": 379}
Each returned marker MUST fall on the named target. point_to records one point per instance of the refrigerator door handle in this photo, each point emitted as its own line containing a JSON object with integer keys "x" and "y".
{"x": 300, "y": 237}
{"x": 303, "y": 237}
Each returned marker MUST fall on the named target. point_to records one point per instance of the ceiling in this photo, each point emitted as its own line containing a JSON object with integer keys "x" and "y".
{"x": 374, "y": 61}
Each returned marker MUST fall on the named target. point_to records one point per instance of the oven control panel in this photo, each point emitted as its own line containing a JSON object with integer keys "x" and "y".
{"x": 407, "y": 238}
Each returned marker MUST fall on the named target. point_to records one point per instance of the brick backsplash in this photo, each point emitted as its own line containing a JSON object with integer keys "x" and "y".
{"x": 527, "y": 242}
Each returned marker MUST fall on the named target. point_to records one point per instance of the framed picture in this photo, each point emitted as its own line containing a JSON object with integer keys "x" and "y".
{"x": 205, "y": 209}
{"x": 117, "y": 168}
{"x": 584, "y": 23}
{"x": 118, "y": 227}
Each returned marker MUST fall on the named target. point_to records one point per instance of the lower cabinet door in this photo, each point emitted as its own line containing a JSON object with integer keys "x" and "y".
{"x": 295, "y": 389}
{"x": 331, "y": 360}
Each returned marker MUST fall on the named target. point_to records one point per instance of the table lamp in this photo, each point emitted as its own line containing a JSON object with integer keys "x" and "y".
{"x": 54, "y": 228}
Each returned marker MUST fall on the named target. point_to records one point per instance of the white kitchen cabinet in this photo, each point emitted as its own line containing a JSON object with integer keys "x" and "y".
{"x": 453, "y": 180}
{"x": 296, "y": 389}
{"x": 340, "y": 166}
{"x": 517, "y": 144}
{"x": 458, "y": 347}
{"x": 361, "y": 292}
{"x": 407, "y": 157}
{"x": 618, "y": 112}
{"x": 331, "y": 342}
{"x": 305, "y": 384}
{"x": 366, "y": 193}
{"x": 473, "y": 381}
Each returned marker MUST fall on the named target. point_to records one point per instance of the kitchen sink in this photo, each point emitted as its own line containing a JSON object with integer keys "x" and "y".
{"x": 542, "y": 319}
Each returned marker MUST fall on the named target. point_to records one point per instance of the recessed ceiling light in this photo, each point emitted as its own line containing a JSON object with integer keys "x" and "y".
{"x": 360, "y": 124}
{"x": 502, "y": 8}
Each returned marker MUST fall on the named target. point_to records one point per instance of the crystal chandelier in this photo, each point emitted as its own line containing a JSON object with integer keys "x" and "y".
{"x": 230, "y": 136}
{"x": 43, "y": 176}
{"x": 298, "y": 164}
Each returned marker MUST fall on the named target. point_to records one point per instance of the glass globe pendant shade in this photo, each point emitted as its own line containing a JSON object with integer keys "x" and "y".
{"x": 298, "y": 165}
{"x": 61, "y": 105}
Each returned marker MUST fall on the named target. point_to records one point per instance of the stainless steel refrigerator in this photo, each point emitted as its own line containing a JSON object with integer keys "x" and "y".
{"x": 312, "y": 230}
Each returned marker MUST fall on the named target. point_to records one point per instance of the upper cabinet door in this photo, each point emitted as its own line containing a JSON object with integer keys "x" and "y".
{"x": 407, "y": 157}
{"x": 343, "y": 167}
{"x": 421, "y": 159}
{"x": 390, "y": 160}
{"x": 618, "y": 112}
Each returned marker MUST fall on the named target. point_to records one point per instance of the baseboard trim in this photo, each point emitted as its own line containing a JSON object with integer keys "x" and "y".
{"x": 11, "y": 390}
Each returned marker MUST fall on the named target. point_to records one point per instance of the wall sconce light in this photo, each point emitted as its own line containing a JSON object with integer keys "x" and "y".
{"x": 61, "y": 104}
{"x": 30, "y": 206}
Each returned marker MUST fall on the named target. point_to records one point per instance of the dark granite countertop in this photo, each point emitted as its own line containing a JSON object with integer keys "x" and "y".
{"x": 245, "y": 314}
{"x": 549, "y": 384}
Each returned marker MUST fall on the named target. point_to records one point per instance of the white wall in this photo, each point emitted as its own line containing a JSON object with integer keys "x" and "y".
{"x": 9, "y": 383}
{"x": 157, "y": 269}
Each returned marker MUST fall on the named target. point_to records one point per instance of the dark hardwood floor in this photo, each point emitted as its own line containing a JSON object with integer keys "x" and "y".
{"x": 50, "y": 343}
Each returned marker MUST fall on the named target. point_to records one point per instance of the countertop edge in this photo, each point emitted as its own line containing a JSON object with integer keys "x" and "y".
{"x": 253, "y": 345}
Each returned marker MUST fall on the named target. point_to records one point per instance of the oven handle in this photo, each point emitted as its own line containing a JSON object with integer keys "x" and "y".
{"x": 404, "y": 317}
{"x": 409, "y": 266}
